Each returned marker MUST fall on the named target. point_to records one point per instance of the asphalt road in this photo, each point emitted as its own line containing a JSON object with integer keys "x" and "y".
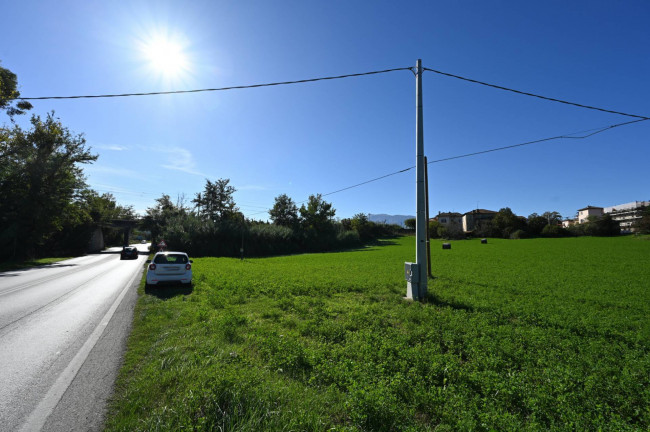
{"x": 63, "y": 330}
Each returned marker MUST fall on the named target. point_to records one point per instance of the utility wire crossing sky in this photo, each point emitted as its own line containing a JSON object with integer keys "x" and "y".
{"x": 299, "y": 140}
{"x": 339, "y": 77}
{"x": 565, "y": 136}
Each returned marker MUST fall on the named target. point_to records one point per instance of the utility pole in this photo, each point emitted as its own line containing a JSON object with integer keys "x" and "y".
{"x": 426, "y": 190}
{"x": 420, "y": 220}
{"x": 241, "y": 249}
{"x": 416, "y": 274}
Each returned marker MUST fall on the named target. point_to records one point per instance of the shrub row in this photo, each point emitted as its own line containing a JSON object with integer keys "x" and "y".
{"x": 232, "y": 238}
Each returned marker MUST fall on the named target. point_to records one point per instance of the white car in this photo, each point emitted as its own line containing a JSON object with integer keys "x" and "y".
{"x": 170, "y": 267}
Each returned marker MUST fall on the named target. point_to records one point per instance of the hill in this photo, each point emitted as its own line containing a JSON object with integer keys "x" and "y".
{"x": 389, "y": 219}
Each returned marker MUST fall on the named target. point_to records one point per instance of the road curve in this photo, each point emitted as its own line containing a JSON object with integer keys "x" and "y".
{"x": 63, "y": 329}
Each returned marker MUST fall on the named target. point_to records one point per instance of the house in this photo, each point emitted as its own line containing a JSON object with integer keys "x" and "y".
{"x": 584, "y": 213}
{"x": 449, "y": 219}
{"x": 627, "y": 214}
{"x": 477, "y": 219}
{"x": 566, "y": 223}
{"x": 452, "y": 223}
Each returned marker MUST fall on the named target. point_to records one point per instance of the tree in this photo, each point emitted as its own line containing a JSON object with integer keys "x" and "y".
{"x": 536, "y": 224}
{"x": 554, "y": 231}
{"x": 9, "y": 94}
{"x": 505, "y": 222}
{"x": 434, "y": 226}
{"x": 317, "y": 214}
{"x": 102, "y": 211}
{"x": 104, "y": 208}
{"x": 362, "y": 225}
{"x": 606, "y": 226}
{"x": 284, "y": 212}
{"x": 643, "y": 224}
{"x": 410, "y": 223}
{"x": 40, "y": 176}
{"x": 552, "y": 217}
{"x": 157, "y": 218}
{"x": 217, "y": 202}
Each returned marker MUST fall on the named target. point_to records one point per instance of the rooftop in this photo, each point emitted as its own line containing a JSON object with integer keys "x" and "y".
{"x": 480, "y": 211}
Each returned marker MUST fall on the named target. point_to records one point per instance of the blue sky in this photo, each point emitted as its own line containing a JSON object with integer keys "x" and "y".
{"x": 319, "y": 137}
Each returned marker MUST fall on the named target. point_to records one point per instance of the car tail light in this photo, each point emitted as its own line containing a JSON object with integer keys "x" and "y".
{"x": 188, "y": 266}
{"x": 152, "y": 266}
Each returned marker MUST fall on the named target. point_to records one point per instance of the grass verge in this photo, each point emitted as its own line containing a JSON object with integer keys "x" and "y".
{"x": 516, "y": 335}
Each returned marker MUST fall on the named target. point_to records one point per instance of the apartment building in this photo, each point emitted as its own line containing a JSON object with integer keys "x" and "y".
{"x": 627, "y": 214}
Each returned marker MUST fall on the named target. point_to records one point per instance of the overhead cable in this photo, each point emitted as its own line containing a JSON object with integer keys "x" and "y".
{"x": 535, "y": 95}
{"x": 567, "y": 136}
{"x": 217, "y": 89}
{"x": 572, "y": 135}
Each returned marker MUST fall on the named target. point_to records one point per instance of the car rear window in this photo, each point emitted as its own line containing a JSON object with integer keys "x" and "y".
{"x": 170, "y": 259}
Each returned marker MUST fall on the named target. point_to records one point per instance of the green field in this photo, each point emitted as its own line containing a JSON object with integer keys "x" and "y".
{"x": 543, "y": 334}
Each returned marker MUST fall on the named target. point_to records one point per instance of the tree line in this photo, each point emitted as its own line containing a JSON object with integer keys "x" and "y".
{"x": 506, "y": 224}
{"x": 211, "y": 224}
{"x": 46, "y": 207}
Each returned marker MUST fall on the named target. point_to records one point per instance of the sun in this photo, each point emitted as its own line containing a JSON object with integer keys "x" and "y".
{"x": 166, "y": 56}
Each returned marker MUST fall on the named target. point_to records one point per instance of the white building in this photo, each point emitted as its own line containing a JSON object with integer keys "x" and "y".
{"x": 476, "y": 219}
{"x": 584, "y": 213}
{"x": 627, "y": 214}
{"x": 448, "y": 219}
{"x": 566, "y": 223}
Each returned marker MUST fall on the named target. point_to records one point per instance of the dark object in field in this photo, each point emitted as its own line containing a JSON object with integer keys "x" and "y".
{"x": 446, "y": 245}
{"x": 483, "y": 241}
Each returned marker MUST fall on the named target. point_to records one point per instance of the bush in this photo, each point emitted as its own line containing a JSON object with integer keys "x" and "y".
{"x": 554, "y": 231}
{"x": 603, "y": 226}
{"x": 348, "y": 239}
{"x": 263, "y": 240}
{"x": 519, "y": 234}
{"x": 200, "y": 237}
{"x": 450, "y": 233}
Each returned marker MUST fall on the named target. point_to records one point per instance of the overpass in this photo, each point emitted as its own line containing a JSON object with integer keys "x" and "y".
{"x": 96, "y": 242}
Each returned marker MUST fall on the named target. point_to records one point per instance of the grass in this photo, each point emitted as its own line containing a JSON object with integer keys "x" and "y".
{"x": 19, "y": 265}
{"x": 544, "y": 334}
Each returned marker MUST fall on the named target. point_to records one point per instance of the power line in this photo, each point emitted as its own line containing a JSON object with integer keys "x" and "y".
{"x": 535, "y": 95}
{"x": 332, "y": 78}
{"x": 566, "y": 136}
{"x": 571, "y": 135}
{"x": 369, "y": 181}
{"x": 218, "y": 89}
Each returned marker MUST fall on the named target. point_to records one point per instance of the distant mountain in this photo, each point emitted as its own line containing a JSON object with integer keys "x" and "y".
{"x": 389, "y": 219}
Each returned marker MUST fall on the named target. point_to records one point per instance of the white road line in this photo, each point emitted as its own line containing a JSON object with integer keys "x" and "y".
{"x": 39, "y": 416}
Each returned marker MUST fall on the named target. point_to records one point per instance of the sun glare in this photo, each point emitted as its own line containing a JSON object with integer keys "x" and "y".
{"x": 166, "y": 56}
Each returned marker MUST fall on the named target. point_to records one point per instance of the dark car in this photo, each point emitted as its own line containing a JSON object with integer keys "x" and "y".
{"x": 129, "y": 252}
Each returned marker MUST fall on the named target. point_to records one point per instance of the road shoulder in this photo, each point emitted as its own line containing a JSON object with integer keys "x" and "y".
{"x": 84, "y": 404}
